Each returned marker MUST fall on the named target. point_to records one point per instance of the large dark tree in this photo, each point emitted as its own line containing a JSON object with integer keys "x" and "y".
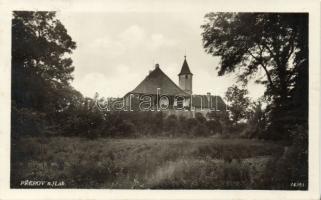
{"x": 41, "y": 72}
{"x": 275, "y": 44}
{"x": 41, "y": 65}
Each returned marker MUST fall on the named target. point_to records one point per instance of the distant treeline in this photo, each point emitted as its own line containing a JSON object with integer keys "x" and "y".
{"x": 87, "y": 120}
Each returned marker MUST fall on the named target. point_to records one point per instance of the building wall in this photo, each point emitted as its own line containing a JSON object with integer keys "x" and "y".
{"x": 187, "y": 113}
{"x": 135, "y": 100}
{"x": 172, "y": 108}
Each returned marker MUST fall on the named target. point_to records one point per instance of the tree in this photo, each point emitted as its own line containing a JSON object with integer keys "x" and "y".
{"x": 41, "y": 65}
{"x": 273, "y": 43}
{"x": 238, "y": 103}
{"x": 257, "y": 123}
{"x": 41, "y": 70}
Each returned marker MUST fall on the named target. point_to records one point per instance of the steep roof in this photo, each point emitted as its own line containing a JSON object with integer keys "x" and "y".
{"x": 185, "y": 68}
{"x": 158, "y": 79}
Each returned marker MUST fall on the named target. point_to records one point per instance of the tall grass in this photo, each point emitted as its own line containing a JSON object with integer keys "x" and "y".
{"x": 198, "y": 163}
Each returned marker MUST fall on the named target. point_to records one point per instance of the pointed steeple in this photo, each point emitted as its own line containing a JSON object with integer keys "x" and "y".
{"x": 185, "y": 68}
{"x": 185, "y": 78}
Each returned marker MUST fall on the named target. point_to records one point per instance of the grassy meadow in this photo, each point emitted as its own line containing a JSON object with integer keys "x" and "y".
{"x": 156, "y": 163}
{"x": 62, "y": 139}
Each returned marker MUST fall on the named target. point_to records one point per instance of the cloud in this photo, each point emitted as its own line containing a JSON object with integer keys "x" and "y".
{"x": 172, "y": 70}
{"x": 91, "y": 83}
{"x": 130, "y": 39}
{"x": 114, "y": 86}
{"x": 132, "y": 36}
{"x": 122, "y": 69}
{"x": 158, "y": 40}
{"x": 109, "y": 46}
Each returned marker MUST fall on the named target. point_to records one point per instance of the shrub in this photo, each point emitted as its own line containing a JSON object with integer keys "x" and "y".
{"x": 238, "y": 128}
{"x": 191, "y": 122}
{"x": 200, "y": 118}
{"x": 292, "y": 166}
{"x": 257, "y": 123}
{"x": 126, "y": 128}
{"x": 28, "y": 122}
{"x": 171, "y": 125}
{"x": 183, "y": 125}
{"x": 200, "y": 130}
{"x": 214, "y": 126}
{"x": 93, "y": 134}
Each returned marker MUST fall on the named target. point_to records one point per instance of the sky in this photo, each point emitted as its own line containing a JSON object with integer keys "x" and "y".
{"x": 116, "y": 50}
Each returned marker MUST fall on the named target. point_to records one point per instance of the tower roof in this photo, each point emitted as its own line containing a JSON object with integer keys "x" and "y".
{"x": 185, "y": 68}
{"x": 158, "y": 79}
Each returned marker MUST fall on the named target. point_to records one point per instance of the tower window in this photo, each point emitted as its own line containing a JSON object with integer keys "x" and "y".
{"x": 186, "y": 76}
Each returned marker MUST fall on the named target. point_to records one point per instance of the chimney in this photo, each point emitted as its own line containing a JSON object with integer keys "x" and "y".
{"x": 157, "y": 65}
{"x": 208, "y": 99}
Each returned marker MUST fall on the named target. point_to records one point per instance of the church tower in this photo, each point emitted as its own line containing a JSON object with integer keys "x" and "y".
{"x": 185, "y": 78}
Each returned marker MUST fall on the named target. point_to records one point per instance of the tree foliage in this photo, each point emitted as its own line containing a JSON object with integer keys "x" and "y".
{"x": 257, "y": 122}
{"x": 272, "y": 44}
{"x": 276, "y": 43}
{"x": 41, "y": 72}
{"x": 238, "y": 103}
{"x": 41, "y": 64}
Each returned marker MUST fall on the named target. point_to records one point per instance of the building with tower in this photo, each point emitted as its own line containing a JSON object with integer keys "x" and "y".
{"x": 157, "y": 92}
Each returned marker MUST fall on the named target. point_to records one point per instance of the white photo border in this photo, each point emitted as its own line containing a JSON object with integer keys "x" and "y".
{"x": 310, "y": 6}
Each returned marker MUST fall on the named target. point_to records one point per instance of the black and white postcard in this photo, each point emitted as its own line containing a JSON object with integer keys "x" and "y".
{"x": 167, "y": 99}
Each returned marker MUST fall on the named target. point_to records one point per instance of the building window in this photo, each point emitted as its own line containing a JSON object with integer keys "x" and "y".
{"x": 178, "y": 102}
